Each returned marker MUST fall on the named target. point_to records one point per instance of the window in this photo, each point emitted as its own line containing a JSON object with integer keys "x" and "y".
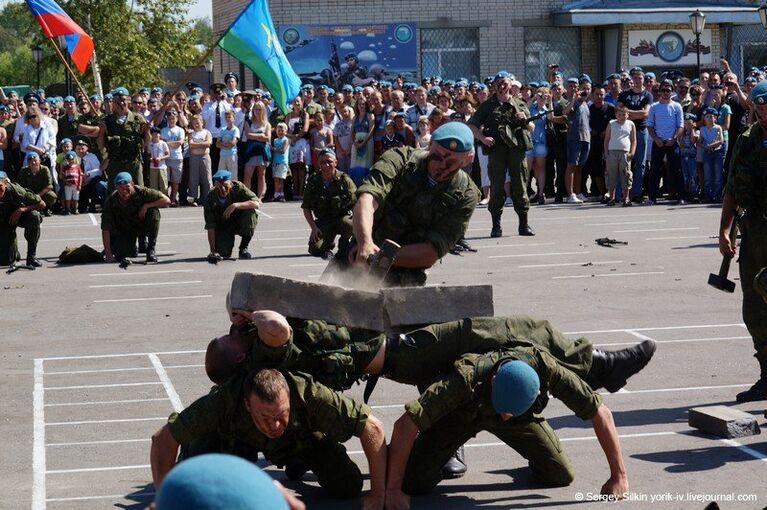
{"x": 450, "y": 53}
{"x": 549, "y": 45}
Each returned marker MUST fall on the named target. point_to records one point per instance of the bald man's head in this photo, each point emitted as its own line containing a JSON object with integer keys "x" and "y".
{"x": 225, "y": 356}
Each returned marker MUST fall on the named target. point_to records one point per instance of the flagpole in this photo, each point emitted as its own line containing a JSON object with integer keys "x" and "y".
{"x": 72, "y": 74}
{"x": 95, "y": 66}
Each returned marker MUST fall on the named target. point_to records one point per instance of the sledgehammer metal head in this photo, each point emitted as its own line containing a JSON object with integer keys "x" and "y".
{"x": 720, "y": 281}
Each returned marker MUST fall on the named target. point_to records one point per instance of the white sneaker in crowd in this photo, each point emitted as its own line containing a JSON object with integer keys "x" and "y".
{"x": 508, "y": 202}
{"x": 582, "y": 197}
{"x": 573, "y": 199}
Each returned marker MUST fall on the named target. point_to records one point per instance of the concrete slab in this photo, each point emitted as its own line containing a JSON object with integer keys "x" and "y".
{"x": 421, "y": 305}
{"x": 723, "y": 421}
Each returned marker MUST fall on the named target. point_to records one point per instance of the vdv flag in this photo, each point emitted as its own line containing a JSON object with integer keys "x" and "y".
{"x": 252, "y": 40}
{"x": 55, "y": 22}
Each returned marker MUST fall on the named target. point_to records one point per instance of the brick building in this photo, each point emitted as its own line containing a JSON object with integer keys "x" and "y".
{"x": 476, "y": 39}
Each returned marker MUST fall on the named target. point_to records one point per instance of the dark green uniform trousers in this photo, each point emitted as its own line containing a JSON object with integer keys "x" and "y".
{"x": 504, "y": 159}
{"x": 753, "y": 257}
{"x": 9, "y": 250}
{"x": 123, "y": 238}
{"x": 134, "y": 168}
{"x": 49, "y": 198}
{"x": 241, "y": 223}
{"x": 534, "y": 440}
{"x": 329, "y": 229}
{"x": 420, "y": 356}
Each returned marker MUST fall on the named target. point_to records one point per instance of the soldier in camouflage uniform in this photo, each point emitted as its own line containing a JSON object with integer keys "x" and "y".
{"x": 37, "y": 179}
{"x": 230, "y": 210}
{"x": 329, "y": 197}
{"x": 122, "y": 136}
{"x": 500, "y": 124}
{"x": 420, "y": 200}
{"x": 288, "y": 418}
{"x": 746, "y": 189}
{"x": 18, "y": 208}
{"x": 131, "y": 212}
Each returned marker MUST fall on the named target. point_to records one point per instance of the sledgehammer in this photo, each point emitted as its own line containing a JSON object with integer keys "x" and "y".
{"x": 720, "y": 281}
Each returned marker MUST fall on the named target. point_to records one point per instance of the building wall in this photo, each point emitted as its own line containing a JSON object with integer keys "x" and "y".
{"x": 717, "y": 40}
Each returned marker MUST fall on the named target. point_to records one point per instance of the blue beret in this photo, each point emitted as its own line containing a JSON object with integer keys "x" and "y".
{"x": 695, "y": 81}
{"x": 65, "y": 140}
{"x": 400, "y": 115}
{"x": 122, "y": 178}
{"x": 462, "y": 83}
{"x": 614, "y": 76}
{"x": 222, "y": 175}
{"x": 584, "y": 78}
{"x": 143, "y": 90}
{"x": 108, "y": 96}
{"x": 572, "y": 80}
{"x": 50, "y": 100}
{"x": 533, "y": 85}
{"x": 357, "y": 89}
{"x": 327, "y": 150}
{"x": 649, "y": 75}
{"x": 156, "y": 89}
{"x": 349, "y": 88}
{"x": 711, "y": 111}
{"x": 70, "y": 154}
{"x": 433, "y": 91}
{"x": 40, "y": 91}
{"x": 266, "y": 95}
{"x": 32, "y": 155}
{"x": 192, "y": 98}
{"x": 321, "y": 87}
{"x": 502, "y": 74}
{"x": 307, "y": 86}
{"x": 95, "y": 97}
{"x": 544, "y": 83}
{"x": 385, "y": 84}
{"x": 636, "y": 69}
{"x": 454, "y": 136}
{"x": 120, "y": 91}
{"x": 482, "y": 86}
{"x": 232, "y": 75}
{"x": 449, "y": 83}
{"x": 69, "y": 99}
{"x": 215, "y": 482}
{"x": 3, "y": 108}
{"x": 516, "y": 388}
{"x": 759, "y": 92}
{"x": 3, "y": 175}
{"x": 331, "y": 91}
{"x": 436, "y": 78}
{"x": 750, "y": 79}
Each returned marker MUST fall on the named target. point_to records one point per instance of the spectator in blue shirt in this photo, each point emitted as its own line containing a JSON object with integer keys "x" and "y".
{"x": 665, "y": 124}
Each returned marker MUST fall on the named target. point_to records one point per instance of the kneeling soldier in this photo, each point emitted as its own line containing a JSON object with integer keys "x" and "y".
{"x": 18, "y": 208}
{"x": 230, "y": 210}
{"x": 37, "y": 179}
{"x": 131, "y": 212}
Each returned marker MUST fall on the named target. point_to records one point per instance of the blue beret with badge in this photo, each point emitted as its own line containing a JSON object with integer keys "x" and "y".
{"x": 222, "y": 175}
{"x": 69, "y": 99}
{"x": 584, "y": 78}
{"x": 122, "y": 178}
{"x": 156, "y": 90}
{"x": 759, "y": 92}
{"x": 307, "y": 86}
{"x": 533, "y": 84}
{"x": 327, "y": 151}
{"x": 3, "y": 175}
{"x": 321, "y": 87}
{"x": 515, "y": 388}
{"x": 94, "y": 97}
{"x": 636, "y": 69}
{"x": 348, "y": 89}
{"x": 120, "y": 91}
{"x": 572, "y": 80}
{"x": 70, "y": 154}
{"x": 108, "y": 96}
{"x": 454, "y": 136}
{"x": 710, "y": 111}
{"x": 649, "y": 75}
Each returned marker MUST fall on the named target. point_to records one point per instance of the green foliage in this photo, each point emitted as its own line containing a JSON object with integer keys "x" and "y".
{"x": 133, "y": 39}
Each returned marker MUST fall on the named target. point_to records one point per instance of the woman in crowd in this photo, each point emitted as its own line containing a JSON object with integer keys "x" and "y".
{"x": 299, "y": 155}
{"x": 536, "y": 157}
{"x": 258, "y": 135}
{"x": 377, "y": 107}
{"x": 362, "y": 134}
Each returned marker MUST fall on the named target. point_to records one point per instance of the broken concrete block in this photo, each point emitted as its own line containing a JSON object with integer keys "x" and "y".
{"x": 723, "y": 421}
{"x": 307, "y": 300}
{"x": 407, "y": 306}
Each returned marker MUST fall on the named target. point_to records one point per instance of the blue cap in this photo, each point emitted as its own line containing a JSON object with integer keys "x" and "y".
{"x": 95, "y": 97}
{"x": 759, "y": 93}
{"x": 70, "y": 155}
{"x": 120, "y": 91}
{"x": 347, "y": 88}
{"x": 307, "y": 86}
{"x": 32, "y": 155}
{"x": 433, "y": 91}
{"x": 544, "y": 83}
{"x": 690, "y": 116}
{"x": 327, "y": 150}
{"x": 584, "y": 78}
{"x": 533, "y": 85}
{"x": 454, "y": 136}
{"x": 649, "y": 75}
{"x": 65, "y": 140}
{"x": 502, "y": 74}
{"x": 358, "y": 89}
{"x": 572, "y": 80}
{"x": 711, "y": 111}
{"x": 156, "y": 89}
{"x": 216, "y": 482}
{"x": 108, "y": 96}
{"x": 3, "y": 175}
{"x": 222, "y": 175}
{"x": 122, "y": 178}
{"x": 50, "y": 100}
{"x": 636, "y": 69}
{"x": 482, "y": 86}
{"x": 516, "y": 388}
{"x": 69, "y": 99}
{"x": 143, "y": 90}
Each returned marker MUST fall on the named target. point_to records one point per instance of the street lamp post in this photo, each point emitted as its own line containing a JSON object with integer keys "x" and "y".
{"x": 37, "y": 56}
{"x": 697, "y": 22}
{"x": 209, "y": 68}
{"x": 763, "y": 15}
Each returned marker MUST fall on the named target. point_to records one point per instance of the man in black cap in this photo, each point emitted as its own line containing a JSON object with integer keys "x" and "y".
{"x": 214, "y": 117}
{"x": 232, "y": 80}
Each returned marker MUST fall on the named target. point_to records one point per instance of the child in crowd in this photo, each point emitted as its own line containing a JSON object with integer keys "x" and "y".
{"x": 200, "y": 177}
{"x": 280, "y": 148}
{"x": 342, "y": 133}
{"x": 94, "y": 189}
{"x": 620, "y": 146}
{"x": 423, "y": 133}
{"x": 158, "y": 153}
{"x": 227, "y": 142}
{"x": 320, "y": 137}
{"x": 173, "y": 135}
{"x": 688, "y": 150}
{"x": 330, "y": 118}
{"x": 713, "y": 156}
{"x": 391, "y": 139}
{"x": 72, "y": 175}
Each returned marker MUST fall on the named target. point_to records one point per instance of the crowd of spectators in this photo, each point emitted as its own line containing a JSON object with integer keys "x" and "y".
{"x": 614, "y": 141}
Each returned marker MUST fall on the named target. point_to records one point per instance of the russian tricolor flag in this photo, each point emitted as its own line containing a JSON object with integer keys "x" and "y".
{"x": 55, "y": 22}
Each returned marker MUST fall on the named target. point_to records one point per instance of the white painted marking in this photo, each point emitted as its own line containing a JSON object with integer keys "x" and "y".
{"x": 308, "y": 265}
{"x": 91, "y": 422}
{"x": 683, "y": 340}
{"x": 539, "y": 254}
{"x": 102, "y": 386}
{"x": 115, "y": 441}
{"x": 262, "y": 213}
{"x": 167, "y": 384}
{"x": 638, "y": 335}
{"x": 93, "y": 219}
{"x": 93, "y": 470}
{"x": 662, "y": 328}
{"x": 622, "y": 223}
{"x": 99, "y": 402}
{"x": 103, "y": 370}
{"x": 655, "y": 230}
{"x": 38, "y": 446}
{"x": 279, "y": 231}
{"x": 745, "y": 449}
{"x": 83, "y": 239}
{"x": 107, "y": 496}
{"x": 688, "y": 388}
{"x": 69, "y": 225}
{"x": 134, "y": 273}
{"x": 488, "y": 246}
{"x": 675, "y": 238}
{"x": 390, "y": 406}
{"x": 603, "y": 275}
{"x": 150, "y": 299}
{"x": 150, "y": 284}
{"x": 566, "y": 264}
{"x": 122, "y": 355}
{"x": 284, "y": 247}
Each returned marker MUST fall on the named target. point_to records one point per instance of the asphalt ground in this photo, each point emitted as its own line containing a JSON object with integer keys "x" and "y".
{"x": 94, "y": 358}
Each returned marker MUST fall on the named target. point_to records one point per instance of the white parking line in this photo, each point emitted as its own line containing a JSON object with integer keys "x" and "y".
{"x": 688, "y": 388}
{"x": 623, "y": 223}
{"x": 121, "y": 355}
{"x": 93, "y": 219}
{"x": 99, "y": 402}
{"x": 102, "y": 370}
{"x": 539, "y": 254}
{"x": 676, "y": 238}
{"x": 292, "y": 247}
{"x": 656, "y": 230}
{"x": 323, "y": 264}
{"x": 151, "y": 299}
{"x": 565, "y": 264}
{"x": 90, "y": 386}
{"x": 150, "y": 284}
{"x": 745, "y": 449}
{"x": 115, "y": 441}
{"x": 91, "y": 422}
{"x": 660, "y": 328}
{"x": 167, "y": 384}
{"x": 485, "y": 246}
{"x": 604, "y": 275}
{"x": 134, "y": 273}
{"x": 683, "y": 340}
{"x": 38, "y": 445}
{"x": 93, "y": 470}
{"x": 106, "y": 496}
{"x": 638, "y": 335}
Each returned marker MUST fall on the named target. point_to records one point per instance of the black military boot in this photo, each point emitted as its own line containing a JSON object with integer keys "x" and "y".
{"x": 612, "y": 369}
{"x": 32, "y": 258}
{"x": 244, "y": 253}
{"x": 295, "y": 469}
{"x": 142, "y": 244}
{"x": 455, "y": 467}
{"x": 756, "y": 392}
{"x": 524, "y": 228}
{"x": 151, "y": 255}
{"x": 497, "y": 231}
